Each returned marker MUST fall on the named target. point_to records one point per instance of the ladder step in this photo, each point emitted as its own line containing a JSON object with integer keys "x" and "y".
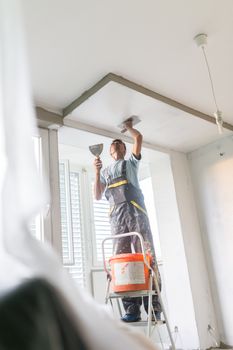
{"x": 138, "y": 293}
{"x": 145, "y": 323}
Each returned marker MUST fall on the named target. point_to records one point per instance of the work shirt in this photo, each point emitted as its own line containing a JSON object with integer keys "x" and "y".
{"x": 115, "y": 171}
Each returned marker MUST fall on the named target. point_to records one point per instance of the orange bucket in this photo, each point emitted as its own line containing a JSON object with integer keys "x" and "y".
{"x": 129, "y": 272}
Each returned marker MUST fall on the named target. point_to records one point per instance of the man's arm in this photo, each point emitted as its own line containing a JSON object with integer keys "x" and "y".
{"x": 98, "y": 186}
{"x": 137, "y": 136}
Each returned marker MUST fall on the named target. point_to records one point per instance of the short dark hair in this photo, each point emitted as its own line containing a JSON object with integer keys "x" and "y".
{"x": 119, "y": 141}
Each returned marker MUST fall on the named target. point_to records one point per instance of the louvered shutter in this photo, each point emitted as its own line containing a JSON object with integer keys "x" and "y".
{"x": 66, "y": 217}
{"x": 71, "y": 224}
{"x": 102, "y": 229}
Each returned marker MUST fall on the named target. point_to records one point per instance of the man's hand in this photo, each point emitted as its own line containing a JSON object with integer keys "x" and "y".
{"x": 128, "y": 124}
{"x": 98, "y": 164}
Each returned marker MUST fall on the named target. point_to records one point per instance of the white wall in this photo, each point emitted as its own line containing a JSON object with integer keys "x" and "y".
{"x": 180, "y": 305}
{"x": 194, "y": 251}
{"x": 212, "y": 173}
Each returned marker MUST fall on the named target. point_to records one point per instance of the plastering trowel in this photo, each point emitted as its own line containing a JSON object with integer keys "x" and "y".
{"x": 135, "y": 120}
{"x": 96, "y": 150}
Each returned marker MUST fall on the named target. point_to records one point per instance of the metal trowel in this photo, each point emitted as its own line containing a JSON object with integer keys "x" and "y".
{"x": 135, "y": 120}
{"x": 96, "y": 150}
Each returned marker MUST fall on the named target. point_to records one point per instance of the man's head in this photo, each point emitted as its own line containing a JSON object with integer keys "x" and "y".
{"x": 117, "y": 149}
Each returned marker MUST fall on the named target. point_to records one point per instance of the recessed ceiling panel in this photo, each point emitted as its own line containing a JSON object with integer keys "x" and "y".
{"x": 161, "y": 124}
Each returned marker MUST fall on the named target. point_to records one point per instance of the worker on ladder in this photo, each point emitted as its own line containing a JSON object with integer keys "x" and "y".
{"x": 127, "y": 211}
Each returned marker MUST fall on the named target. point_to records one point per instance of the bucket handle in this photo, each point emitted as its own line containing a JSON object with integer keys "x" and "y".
{"x": 122, "y": 235}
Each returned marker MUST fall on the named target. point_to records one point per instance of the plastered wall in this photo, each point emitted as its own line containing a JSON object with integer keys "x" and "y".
{"x": 212, "y": 176}
{"x": 180, "y": 305}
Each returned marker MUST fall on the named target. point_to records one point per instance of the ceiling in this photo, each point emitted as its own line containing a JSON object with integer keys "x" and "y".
{"x": 161, "y": 124}
{"x": 73, "y": 44}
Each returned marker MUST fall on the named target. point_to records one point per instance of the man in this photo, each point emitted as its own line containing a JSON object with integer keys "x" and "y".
{"x": 127, "y": 210}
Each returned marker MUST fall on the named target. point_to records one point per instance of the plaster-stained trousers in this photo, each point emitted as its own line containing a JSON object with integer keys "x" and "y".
{"x": 124, "y": 218}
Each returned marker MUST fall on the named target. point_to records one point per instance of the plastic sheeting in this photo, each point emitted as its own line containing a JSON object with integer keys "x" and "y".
{"x": 21, "y": 197}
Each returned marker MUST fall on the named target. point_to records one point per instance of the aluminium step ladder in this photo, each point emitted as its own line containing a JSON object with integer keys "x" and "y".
{"x": 139, "y": 293}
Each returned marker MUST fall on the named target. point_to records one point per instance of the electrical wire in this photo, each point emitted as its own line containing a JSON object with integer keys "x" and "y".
{"x": 218, "y": 113}
{"x": 211, "y": 80}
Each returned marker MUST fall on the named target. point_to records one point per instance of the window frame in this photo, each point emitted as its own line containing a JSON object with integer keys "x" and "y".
{"x": 45, "y": 175}
{"x": 42, "y": 221}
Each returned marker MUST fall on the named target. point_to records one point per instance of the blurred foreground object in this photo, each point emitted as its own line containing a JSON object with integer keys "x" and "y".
{"x": 47, "y": 313}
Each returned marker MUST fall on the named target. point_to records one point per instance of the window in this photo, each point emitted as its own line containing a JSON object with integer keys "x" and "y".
{"x": 147, "y": 190}
{"x": 102, "y": 230}
{"x": 73, "y": 251}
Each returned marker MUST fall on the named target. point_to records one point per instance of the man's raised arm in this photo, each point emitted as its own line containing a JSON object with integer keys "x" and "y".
{"x": 98, "y": 186}
{"x": 137, "y": 136}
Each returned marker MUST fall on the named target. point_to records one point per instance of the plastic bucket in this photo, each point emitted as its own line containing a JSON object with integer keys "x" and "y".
{"x": 129, "y": 272}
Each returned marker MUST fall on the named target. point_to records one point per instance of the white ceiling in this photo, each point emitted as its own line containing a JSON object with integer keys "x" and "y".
{"x": 160, "y": 124}
{"x": 72, "y": 44}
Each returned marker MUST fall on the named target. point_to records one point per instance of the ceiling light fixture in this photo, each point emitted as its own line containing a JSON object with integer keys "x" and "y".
{"x": 201, "y": 41}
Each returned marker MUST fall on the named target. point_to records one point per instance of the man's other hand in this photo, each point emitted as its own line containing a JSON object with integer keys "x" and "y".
{"x": 98, "y": 164}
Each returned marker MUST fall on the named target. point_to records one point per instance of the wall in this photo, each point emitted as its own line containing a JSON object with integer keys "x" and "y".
{"x": 194, "y": 250}
{"x": 180, "y": 307}
{"x": 212, "y": 173}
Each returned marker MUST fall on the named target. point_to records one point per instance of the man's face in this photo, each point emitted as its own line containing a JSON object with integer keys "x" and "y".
{"x": 117, "y": 149}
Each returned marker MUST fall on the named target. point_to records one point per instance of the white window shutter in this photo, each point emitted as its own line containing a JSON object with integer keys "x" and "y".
{"x": 71, "y": 224}
{"x": 102, "y": 229}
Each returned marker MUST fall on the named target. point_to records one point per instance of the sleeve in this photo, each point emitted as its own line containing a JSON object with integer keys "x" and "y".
{"x": 134, "y": 161}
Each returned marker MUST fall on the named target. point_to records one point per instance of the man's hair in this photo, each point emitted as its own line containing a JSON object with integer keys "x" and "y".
{"x": 119, "y": 141}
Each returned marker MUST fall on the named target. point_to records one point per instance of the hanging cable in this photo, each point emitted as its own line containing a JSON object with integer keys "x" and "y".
{"x": 211, "y": 80}
{"x": 201, "y": 41}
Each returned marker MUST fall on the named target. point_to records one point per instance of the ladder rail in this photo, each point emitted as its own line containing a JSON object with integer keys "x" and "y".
{"x": 164, "y": 313}
{"x": 152, "y": 278}
{"x": 122, "y": 235}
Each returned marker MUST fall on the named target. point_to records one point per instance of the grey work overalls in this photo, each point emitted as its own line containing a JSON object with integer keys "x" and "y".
{"x": 128, "y": 214}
